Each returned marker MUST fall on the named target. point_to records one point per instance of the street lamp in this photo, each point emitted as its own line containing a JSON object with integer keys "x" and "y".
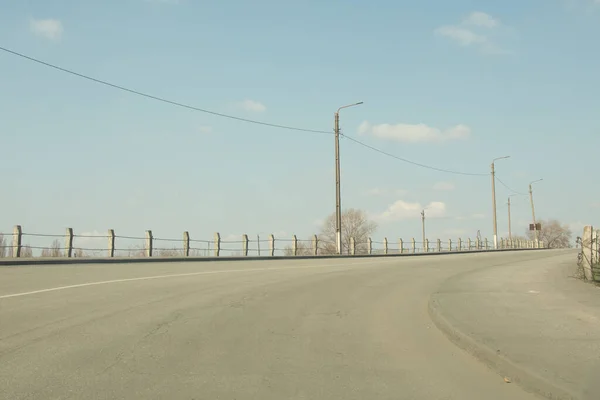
{"x": 533, "y": 209}
{"x": 338, "y": 197}
{"x": 494, "y": 199}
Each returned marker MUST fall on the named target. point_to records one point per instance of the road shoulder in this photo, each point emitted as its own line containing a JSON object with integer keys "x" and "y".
{"x": 530, "y": 322}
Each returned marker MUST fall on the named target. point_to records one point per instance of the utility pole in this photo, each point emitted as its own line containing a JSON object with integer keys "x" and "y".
{"x": 494, "y": 200}
{"x": 536, "y": 234}
{"x": 338, "y": 195}
{"x": 423, "y": 227}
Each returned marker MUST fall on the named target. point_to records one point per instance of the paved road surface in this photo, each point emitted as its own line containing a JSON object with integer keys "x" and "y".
{"x": 535, "y": 321}
{"x": 324, "y": 329}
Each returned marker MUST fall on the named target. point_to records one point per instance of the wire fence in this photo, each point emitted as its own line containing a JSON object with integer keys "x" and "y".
{"x": 24, "y": 244}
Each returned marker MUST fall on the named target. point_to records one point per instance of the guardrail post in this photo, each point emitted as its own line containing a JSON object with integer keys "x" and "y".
{"x": 449, "y": 244}
{"x": 400, "y": 246}
{"x": 295, "y": 245}
{"x": 217, "y": 244}
{"x": 17, "y": 241}
{"x": 369, "y": 246}
{"x": 69, "y": 243}
{"x": 149, "y": 243}
{"x": 111, "y": 242}
{"x": 487, "y": 244}
{"x": 414, "y": 245}
{"x": 459, "y": 244}
{"x": 426, "y": 246}
{"x": 315, "y": 243}
{"x": 186, "y": 244}
{"x": 245, "y": 245}
{"x": 439, "y": 245}
{"x": 385, "y": 246}
{"x": 477, "y": 244}
{"x": 272, "y": 244}
{"x": 352, "y": 246}
{"x": 469, "y": 243}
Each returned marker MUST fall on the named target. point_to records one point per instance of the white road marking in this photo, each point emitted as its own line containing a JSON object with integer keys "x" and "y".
{"x": 145, "y": 278}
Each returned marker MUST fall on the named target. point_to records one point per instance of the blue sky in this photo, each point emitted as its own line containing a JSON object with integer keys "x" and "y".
{"x": 451, "y": 84}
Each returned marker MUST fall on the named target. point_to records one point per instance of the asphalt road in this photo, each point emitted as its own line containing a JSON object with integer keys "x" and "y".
{"x": 299, "y": 329}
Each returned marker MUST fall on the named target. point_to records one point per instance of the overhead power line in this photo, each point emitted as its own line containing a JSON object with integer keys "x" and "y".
{"x": 149, "y": 96}
{"x": 251, "y": 121}
{"x": 508, "y": 187}
{"x": 411, "y": 162}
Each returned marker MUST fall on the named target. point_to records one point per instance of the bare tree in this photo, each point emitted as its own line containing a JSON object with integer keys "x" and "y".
{"x": 79, "y": 253}
{"x": 26, "y": 251}
{"x": 54, "y": 250}
{"x": 554, "y": 234}
{"x": 174, "y": 252}
{"x": 303, "y": 248}
{"x": 355, "y": 224}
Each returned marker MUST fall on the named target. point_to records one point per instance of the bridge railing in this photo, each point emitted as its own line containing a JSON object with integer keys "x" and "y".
{"x": 71, "y": 244}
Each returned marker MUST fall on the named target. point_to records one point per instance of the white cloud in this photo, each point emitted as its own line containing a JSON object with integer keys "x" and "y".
{"x": 443, "y": 186}
{"x": 404, "y": 210}
{"x": 478, "y": 216}
{"x": 253, "y": 106}
{"x": 49, "y": 28}
{"x": 414, "y": 133}
{"x": 468, "y": 32}
{"x": 463, "y": 36}
{"x": 479, "y": 18}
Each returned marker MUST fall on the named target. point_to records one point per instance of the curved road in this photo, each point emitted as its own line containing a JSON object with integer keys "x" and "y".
{"x": 293, "y": 329}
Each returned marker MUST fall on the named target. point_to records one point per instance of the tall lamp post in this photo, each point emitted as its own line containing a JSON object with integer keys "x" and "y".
{"x": 494, "y": 199}
{"x": 536, "y": 234}
{"x": 338, "y": 196}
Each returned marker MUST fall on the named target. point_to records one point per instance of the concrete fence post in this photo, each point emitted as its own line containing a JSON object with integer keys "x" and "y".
{"x": 469, "y": 243}
{"x": 111, "y": 242}
{"x": 369, "y": 246}
{"x": 426, "y": 246}
{"x": 272, "y": 244}
{"x": 459, "y": 244}
{"x": 477, "y": 244}
{"x": 449, "y": 244}
{"x": 217, "y": 244}
{"x": 439, "y": 245}
{"x": 385, "y": 246}
{"x": 69, "y": 243}
{"x": 352, "y": 246}
{"x": 413, "y": 245}
{"x": 245, "y": 245}
{"x": 186, "y": 244}
{"x": 17, "y": 241}
{"x": 400, "y": 246}
{"x": 149, "y": 243}
{"x": 294, "y": 245}
{"x": 487, "y": 244}
{"x": 315, "y": 243}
